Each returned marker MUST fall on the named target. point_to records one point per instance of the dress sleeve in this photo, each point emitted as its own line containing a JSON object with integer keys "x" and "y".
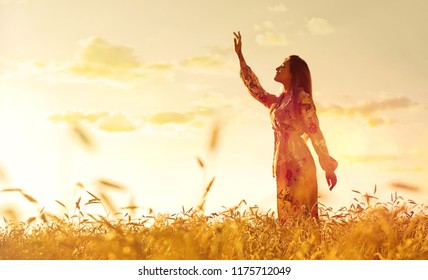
{"x": 311, "y": 127}
{"x": 256, "y": 90}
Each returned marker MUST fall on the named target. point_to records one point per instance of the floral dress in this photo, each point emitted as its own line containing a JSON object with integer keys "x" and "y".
{"x": 293, "y": 164}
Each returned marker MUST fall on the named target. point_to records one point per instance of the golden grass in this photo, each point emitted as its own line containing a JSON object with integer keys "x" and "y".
{"x": 365, "y": 230}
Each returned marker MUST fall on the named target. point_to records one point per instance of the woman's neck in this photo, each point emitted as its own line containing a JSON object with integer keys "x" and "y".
{"x": 286, "y": 89}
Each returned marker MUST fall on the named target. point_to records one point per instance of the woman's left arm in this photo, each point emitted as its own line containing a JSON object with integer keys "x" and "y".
{"x": 311, "y": 125}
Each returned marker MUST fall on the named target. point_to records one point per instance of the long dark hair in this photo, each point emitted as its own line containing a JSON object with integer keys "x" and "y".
{"x": 300, "y": 78}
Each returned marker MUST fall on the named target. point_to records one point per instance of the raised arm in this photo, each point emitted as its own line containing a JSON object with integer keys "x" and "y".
{"x": 311, "y": 125}
{"x": 249, "y": 77}
{"x": 238, "y": 48}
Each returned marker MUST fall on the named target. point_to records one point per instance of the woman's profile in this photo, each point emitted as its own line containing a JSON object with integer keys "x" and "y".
{"x": 293, "y": 116}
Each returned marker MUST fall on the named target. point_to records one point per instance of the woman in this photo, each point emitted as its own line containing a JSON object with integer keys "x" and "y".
{"x": 292, "y": 116}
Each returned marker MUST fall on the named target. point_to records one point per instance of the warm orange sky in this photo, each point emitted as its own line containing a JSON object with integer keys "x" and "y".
{"x": 149, "y": 79}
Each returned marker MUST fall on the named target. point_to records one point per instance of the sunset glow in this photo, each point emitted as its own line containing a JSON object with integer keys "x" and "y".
{"x": 131, "y": 92}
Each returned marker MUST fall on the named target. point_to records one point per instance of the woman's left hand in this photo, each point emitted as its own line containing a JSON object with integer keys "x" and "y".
{"x": 331, "y": 179}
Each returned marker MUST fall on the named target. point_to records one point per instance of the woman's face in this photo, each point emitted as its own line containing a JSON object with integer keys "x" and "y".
{"x": 283, "y": 74}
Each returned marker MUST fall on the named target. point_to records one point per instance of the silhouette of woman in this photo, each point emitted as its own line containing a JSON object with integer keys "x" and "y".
{"x": 293, "y": 116}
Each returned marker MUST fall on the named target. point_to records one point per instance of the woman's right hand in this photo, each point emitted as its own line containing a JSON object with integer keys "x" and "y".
{"x": 331, "y": 179}
{"x": 238, "y": 43}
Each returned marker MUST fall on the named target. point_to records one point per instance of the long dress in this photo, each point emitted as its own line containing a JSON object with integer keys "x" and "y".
{"x": 293, "y": 164}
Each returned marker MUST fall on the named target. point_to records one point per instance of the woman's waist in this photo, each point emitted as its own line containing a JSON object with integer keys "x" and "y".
{"x": 287, "y": 129}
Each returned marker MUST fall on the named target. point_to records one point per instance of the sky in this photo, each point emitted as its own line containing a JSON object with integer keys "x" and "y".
{"x": 147, "y": 94}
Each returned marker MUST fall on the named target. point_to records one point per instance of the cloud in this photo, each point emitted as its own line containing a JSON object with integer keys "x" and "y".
{"x": 378, "y": 121}
{"x": 100, "y": 61}
{"x": 268, "y": 35}
{"x": 75, "y": 116}
{"x": 370, "y": 109}
{"x": 319, "y": 26}
{"x": 222, "y": 50}
{"x": 161, "y": 66}
{"x": 403, "y": 169}
{"x": 110, "y": 122}
{"x": 215, "y": 62}
{"x": 99, "y": 58}
{"x": 171, "y": 118}
{"x": 116, "y": 122}
{"x": 271, "y": 39}
{"x": 121, "y": 122}
{"x": 206, "y": 61}
{"x": 370, "y": 158}
{"x": 193, "y": 116}
{"x": 208, "y": 106}
{"x": 386, "y": 104}
{"x": 278, "y": 8}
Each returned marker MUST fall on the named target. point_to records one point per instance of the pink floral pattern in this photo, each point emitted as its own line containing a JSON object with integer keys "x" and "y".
{"x": 312, "y": 128}
{"x": 256, "y": 90}
{"x": 297, "y": 189}
{"x": 289, "y": 174}
{"x": 263, "y": 98}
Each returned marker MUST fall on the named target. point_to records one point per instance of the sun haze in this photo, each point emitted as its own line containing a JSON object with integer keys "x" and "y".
{"x": 148, "y": 94}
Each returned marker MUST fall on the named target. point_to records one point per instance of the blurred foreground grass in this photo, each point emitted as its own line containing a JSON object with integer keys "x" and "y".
{"x": 366, "y": 230}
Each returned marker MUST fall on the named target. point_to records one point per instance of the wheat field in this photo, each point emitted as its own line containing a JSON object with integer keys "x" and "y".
{"x": 366, "y": 230}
